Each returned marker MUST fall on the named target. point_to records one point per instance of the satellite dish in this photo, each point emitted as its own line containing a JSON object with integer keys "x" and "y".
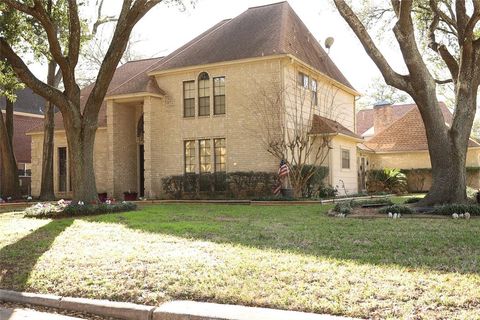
{"x": 329, "y": 42}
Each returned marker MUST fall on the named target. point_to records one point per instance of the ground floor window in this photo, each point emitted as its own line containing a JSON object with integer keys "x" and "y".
{"x": 212, "y": 155}
{"x": 345, "y": 159}
{"x": 62, "y": 169}
{"x": 189, "y": 152}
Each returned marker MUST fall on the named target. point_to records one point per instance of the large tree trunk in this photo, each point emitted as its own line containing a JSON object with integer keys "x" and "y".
{"x": 9, "y": 178}
{"x": 81, "y": 140}
{"x": 46, "y": 189}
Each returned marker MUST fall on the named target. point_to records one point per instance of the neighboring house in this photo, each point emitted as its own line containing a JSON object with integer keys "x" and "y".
{"x": 28, "y": 114}
{"x": 187, "y": 112}
{"x": 395, "y": 138}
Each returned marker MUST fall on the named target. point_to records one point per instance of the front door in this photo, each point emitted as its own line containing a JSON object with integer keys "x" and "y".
{"x": 141, "y": 169}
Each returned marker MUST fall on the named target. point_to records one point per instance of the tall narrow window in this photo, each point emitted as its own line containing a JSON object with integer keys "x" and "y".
{"x": 62, "y": 169}
{"x": 189, "y": 99}
{"x": 314, "y": 92}
{"x": 345, "y": 159}
{"x": 219, "y": 95}
{"x": 189, "y": 151}
{"x": 203, "y": 94}
{"x": 303, "y": 80}
{"x": 205, "y": 156}
{"x": 220, "y": 155}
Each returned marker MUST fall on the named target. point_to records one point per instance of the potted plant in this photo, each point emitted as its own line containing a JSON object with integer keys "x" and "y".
{"x": 130, "y": 196}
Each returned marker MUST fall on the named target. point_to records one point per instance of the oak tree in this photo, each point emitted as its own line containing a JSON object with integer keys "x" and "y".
{"x": 80, "y": 120}
{"x": 451, "y": 32}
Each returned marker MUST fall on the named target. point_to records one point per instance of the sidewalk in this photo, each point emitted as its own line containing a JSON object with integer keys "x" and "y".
{"x": 20, "y": 314}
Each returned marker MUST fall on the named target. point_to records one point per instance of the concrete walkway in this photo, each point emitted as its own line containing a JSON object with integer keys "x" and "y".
{"x": 21, "y": 314}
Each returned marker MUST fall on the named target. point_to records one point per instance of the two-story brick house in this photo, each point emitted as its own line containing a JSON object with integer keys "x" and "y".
{"x": 186, "y": 112}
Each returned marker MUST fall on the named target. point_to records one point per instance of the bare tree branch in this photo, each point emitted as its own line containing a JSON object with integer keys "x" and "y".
{"x": 391, "y": 77}
{"x": 27, "y": 77}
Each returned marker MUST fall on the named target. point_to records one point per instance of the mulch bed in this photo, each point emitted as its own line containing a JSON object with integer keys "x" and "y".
{"x": 81, "y": 315}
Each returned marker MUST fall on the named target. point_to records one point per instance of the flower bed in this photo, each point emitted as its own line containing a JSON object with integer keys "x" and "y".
{"x": 64, "y": 208}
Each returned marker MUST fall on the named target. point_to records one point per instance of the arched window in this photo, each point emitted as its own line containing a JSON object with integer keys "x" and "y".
{"x": 140, "y": 129}
{"x": 203, "y": 94}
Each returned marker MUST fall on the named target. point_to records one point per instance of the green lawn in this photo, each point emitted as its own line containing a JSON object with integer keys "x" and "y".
{"x": 292, "y": 257}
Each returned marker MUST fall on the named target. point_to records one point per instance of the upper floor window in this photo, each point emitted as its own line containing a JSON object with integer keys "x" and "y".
{"x": 189, "y": 99}
{"x": 314, "y": 92}
{"x": 303, "y": 80}
{"x": 219, "y": 95}
{"x": 189, "y": 151}
{"x": 203, "y": 94}
{"x": 345, "y": 159}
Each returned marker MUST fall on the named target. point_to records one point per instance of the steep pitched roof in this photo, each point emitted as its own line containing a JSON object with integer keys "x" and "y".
{"x": 129, "y": 78}
{"x": 27, "y": 101}
{"x": 405, "y": 134}
{"x": 260, "y": 31}
{"x": 365, "y": 117}
{"x": 322, "y": 125}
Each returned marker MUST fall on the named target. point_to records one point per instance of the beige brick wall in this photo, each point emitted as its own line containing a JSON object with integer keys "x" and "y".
{"x": 100, "y": 161}
{"x": 412, "y": 160}
{"x": 116, "y": 149}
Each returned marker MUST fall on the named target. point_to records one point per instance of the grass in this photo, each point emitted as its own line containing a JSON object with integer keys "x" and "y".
{"x": 291, "y": 257}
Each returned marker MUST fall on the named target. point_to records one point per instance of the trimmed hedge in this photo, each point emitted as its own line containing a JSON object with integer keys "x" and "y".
{"x": 396, "y": 208}
{"x": 449, "y": 209}
{"x": 235, "y": 185}
{"x": 75, "y": 210}
{"x": 359, "y": 203}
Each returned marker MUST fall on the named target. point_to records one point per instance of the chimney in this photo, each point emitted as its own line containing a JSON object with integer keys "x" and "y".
{"x": 382, "y": 115}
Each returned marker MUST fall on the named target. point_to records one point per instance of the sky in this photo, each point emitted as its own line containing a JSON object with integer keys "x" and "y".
{"x": 165, "y": 28}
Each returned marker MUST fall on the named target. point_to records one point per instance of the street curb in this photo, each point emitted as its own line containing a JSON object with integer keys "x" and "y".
{"x": 174, "y": 310}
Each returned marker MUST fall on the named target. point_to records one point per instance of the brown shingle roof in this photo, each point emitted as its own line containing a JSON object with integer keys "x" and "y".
{"x": 129, "y": 78}
{"x": 260, "y": 31}
{"x": 365, "y": 117}
{"x": 322, "y": 125}
{"x": 405, "y": 134}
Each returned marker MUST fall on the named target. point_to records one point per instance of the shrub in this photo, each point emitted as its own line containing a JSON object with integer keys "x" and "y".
{"x": 65, "y": 209}
{"x": 343, "y": 207}
{"x": 396, "y": 208}
{"x": 214, "y": 185}
{"x": 315, "y": 182}
{"x": 449, "y": 209}
{"x": 389, "y": 180}
{"x": 377, "y": 201}
{"x": 327, "y": 192}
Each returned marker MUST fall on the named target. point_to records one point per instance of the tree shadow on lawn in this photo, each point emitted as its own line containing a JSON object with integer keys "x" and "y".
{"x": 436, "y": 244}
{"x": 17, "y": 260}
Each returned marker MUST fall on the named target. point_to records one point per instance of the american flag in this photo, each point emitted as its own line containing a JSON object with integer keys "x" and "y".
{"x": 282, "y": 172}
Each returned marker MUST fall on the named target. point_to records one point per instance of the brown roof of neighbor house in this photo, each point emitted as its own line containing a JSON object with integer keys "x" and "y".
{"x": 322, "y": 125}
{"x": 260, "y": 31}
{"x": 27, "y": 101}
{"x": 365, "y": 117}
{"x": 129, "y": 78}
{"x": 22, "y": 144}
{"x": 405, "y": 134}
